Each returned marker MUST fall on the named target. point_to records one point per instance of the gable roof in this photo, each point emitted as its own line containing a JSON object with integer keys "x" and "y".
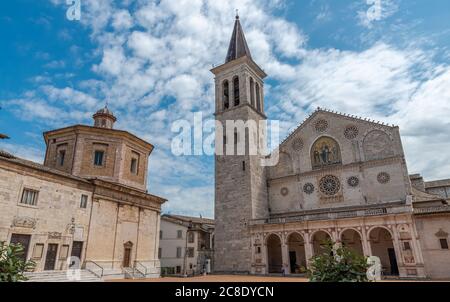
{"x": 331, "y": 112}
{"x": 188, "y": 219}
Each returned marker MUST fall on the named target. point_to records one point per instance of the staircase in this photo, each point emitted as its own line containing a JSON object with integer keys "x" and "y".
{"x": 61, "y": 276}
{"x": 133, "y": 274}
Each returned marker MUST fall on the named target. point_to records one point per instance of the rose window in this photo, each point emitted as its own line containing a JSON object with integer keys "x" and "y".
{"x": 284, "y": 191}
{"x": 321, "y": 126}
{"x": 297, "y": 145}
{"x": 308, "y": 188}
{"x": 330, "y": 185}
{"x": 351, "y": 132}
{"x": 353, "y": 181}
{"x": 383, "y": 178}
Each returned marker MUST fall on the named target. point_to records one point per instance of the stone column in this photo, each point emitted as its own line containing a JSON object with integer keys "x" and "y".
{"x": 265, "y": 270}
{"x": 285, "y": 256}
{"x": 367, "y": 248}
{"x": 309, "y": 250}
{"x": 398, "y": 253}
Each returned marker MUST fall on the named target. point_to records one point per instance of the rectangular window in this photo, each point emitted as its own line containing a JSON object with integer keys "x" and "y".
{"x": 98, "y": 158}
{"x": 191, "y": 237}
{"x": 29, "y": 197}
{"x": 160, "y": 234}
{"x": 179, "y": 234}
{"x": 178, "y": 252}
{"x": 134, "y": 165}
{"x": 61, "y": 157}
{"x": 444, "y": 244}
{"x": 64, "y": 252}
{"x": 38, "y": 251}
{"x": 159, "y": 253}
{"x": 84, "y": 201}
{"x": 178, "y": 269}
{"x": 190, "y": 252}
{"x": 407, "y": 246}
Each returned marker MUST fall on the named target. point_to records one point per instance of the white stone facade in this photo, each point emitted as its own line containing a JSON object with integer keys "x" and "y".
{"x": 338, "y": 177}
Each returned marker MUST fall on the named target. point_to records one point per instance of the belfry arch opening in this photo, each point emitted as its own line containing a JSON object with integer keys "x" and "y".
{"x": 297, "y": 254}
{"x": 382, "y": 246}
{"x": 237, "y": 91}
{"x": 274, "y": 256}
{"x": 226, "y": 94}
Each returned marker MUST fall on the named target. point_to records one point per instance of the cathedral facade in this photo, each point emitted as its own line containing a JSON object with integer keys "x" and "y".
{"x": 338, "y": 178}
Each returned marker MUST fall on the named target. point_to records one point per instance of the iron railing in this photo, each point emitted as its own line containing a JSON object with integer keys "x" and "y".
{"x": 97, "y": 266}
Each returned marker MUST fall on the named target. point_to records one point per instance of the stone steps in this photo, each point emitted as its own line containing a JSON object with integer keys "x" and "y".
{"x": 61, "y": 276}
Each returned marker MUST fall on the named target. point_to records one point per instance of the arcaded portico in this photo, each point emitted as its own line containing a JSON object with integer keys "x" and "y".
{"x": 392, "y": 238}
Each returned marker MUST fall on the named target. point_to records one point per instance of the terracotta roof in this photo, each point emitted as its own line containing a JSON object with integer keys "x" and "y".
{"x": 238, "y": 44}
{"x": 188, "y": 219}
{"x": 23, "y": 162}
{"x": 420, "y": 196}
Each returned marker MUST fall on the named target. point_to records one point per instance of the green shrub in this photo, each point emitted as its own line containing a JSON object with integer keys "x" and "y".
{"x": 12, "y": 266}
{"x": 338, "y": 264}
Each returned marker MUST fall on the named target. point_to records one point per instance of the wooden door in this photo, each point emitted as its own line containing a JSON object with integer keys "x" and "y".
{"x": 23, "y": 240}
{"x": 77, "y": 251}
{"x": 50, "y": 259}
{"x": 127, "y": 257}
{"x": 393, "y": 262}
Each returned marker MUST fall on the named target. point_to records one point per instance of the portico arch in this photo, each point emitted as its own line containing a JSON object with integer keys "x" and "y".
{"x": 297, "y": 252}
{"x": 319, "y": 239}
{"x": 351, "y": 239}
{"x": 274, "y": 254}
{"x": 382, "y": 246}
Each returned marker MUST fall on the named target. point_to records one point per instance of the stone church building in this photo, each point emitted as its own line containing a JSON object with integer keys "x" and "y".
{"x": 338, "y": 177}
{"x": 88, "y": 200}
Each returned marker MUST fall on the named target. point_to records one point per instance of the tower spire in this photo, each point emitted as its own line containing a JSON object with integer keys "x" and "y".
{"x": 238, "y": 44}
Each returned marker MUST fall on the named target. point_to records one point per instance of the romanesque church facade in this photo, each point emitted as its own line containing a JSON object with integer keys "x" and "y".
{"x": 338, "y": 177}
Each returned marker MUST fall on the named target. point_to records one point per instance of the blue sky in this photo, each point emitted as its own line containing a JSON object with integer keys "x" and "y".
{"x": 150, "y": 61}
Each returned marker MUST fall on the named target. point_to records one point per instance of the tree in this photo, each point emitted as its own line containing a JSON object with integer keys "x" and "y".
{"x": 12, "y": 265}
{"x": 337, "y": 263}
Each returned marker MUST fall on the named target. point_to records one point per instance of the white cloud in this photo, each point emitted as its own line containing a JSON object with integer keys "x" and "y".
{"x": 153, "y": 68}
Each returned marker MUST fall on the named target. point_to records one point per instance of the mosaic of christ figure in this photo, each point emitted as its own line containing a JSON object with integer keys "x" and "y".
{"x": 325, "y": 152}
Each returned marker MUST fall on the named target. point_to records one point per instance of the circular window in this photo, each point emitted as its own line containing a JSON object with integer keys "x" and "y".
{"x": 383, "y": 178}
{"x": 284, "y": 191}
{"x": 330, "y": 185}
{"x": 353, "y": 181}
{"x": 321, "y": 126}
{"x": 297, "y": 145}
{"x": 308, "y": 188}
{"x": 351, "y": 132}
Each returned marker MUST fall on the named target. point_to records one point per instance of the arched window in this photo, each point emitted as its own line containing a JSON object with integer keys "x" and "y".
{"x": 258, "y": 98}
{"x": 325, "y": 152}
{"x": 226, "y": 95}
{"x": 237, "y": 96}
{"x": 252, "y": 92}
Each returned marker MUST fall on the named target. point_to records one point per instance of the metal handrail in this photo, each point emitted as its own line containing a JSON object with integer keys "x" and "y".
{"x": 97, "y": 265}
{"x": 136, "y": 264}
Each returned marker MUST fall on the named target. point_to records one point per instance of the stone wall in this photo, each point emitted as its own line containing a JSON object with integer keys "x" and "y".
{"x": 431, "y": 229}
{"x": 371, "y": 168}
{"x": 57, "y": 218}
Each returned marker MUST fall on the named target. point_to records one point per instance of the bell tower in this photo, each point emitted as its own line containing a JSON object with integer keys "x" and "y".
{"x": 240, "y": 179}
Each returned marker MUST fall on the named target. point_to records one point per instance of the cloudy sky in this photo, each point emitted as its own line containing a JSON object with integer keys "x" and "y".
{"x": 150, "y": 61}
